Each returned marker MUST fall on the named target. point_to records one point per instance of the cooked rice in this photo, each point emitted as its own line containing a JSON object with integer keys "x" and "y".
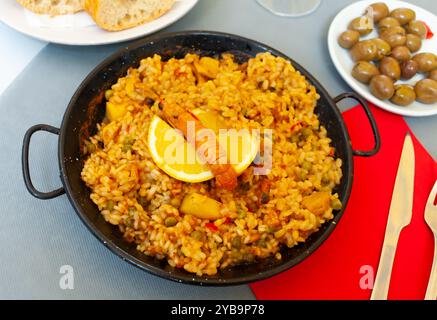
{"x": 134, "y": 194}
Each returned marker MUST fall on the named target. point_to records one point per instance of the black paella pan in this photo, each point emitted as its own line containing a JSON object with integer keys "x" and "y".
{"x": 86, "y": 109}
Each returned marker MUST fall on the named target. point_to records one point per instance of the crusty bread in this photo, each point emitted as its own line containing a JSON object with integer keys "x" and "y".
{"x": 53, "y": 7}
{"x": 115, "y": 15}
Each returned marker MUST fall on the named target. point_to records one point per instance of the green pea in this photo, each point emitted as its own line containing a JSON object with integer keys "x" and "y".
{"x": 306, "y": 132}
{"x": 144, "y": 202}
{"x": 261, "y": 243}
{"x": 249, "y": 257}
{"x": 302, "y": 175}
{"x": 110, "y": 205}
{"x": 325, "y": 179}
{"x": 245, "y": 186}
{"x": 127, "y": 145}
{"x": 236, "y": 242}
{"x": 241, "y": 214}
{"x": 131, "y": 211}
{"x": 90, "y": 147}
{"x": 294, "y": 138}
{"x": 236, "y": 254}
{"x": 265, "y": 198}
{"x": 129, "y": 223}
{"x": 196, "y": 235}
{"x": 273, "y": 229}
{"x": 170, "y": 222}
{"x": 307, "y": 166}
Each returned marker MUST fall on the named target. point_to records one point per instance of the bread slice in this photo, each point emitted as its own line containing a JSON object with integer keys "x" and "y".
{"x": 115, "y": 15}
{"x": 53, "y": 7}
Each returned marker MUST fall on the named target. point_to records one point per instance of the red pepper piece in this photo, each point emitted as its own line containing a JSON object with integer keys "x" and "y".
{"x": 211, "y": 226}
{"x": 429, "y": 33}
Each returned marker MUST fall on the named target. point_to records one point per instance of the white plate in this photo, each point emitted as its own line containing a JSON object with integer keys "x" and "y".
{"x": 79, "y": 29}
{"x": 344, "y": 64}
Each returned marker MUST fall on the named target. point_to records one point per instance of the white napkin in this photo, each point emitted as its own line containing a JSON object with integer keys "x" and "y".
{"x": 80, "y": 19}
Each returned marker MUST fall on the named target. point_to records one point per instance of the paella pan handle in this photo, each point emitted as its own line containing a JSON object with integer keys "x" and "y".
{"x": 25, "y": 163}
{"x": 376, "y": 136}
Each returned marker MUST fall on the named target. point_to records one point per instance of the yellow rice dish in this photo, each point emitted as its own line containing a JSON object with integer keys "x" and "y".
{"x": 207, "y": 226}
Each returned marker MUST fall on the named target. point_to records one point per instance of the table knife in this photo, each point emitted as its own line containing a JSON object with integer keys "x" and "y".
{"x": 431, "y": 220}
{"x": 400, "y": 214}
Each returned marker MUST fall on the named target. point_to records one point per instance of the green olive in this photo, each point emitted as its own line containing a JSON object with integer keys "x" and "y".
{"x": 413, "y": 42}
{"x": 383, "y": 48}
{"x": 394, "y": 36}
{"x": 382, "y": 87}
{"x": 361, "y": 24}
{"x": 427, "y": 61}
{"x": 401, "y": 53}
{"x": 386, "y": 23}
{"x": 403, "y": 15}
{"x": 409, "y": 69}
{"x": 404, "y": 95}
{"x": 363, "y": 71}
{"x": 364, "y": 51}
{"x": 380, "y": 11}
{"x": 349, "y": 38}
{"x": 418, "y": 28}
{"x": 390, "y": 67}
{"x": 433, "y": 75}
{"x": 426, "y": 91}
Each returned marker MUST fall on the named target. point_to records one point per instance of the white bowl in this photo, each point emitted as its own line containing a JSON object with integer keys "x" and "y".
{"x": 344, "y": 63}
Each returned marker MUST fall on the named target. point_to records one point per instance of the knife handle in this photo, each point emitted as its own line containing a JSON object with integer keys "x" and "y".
{"x": 382, "y": 281}
{"x": 431, "y": 292}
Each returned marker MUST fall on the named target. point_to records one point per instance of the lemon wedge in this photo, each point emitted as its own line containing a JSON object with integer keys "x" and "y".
{"x": 172, "y": 154}
{"x": 242, "y": 146}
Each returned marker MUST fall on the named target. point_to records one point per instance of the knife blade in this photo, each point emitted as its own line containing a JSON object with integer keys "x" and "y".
{"x": 400, "y": 214}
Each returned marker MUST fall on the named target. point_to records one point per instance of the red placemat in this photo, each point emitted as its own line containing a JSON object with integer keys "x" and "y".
{"x": 344, "y": 260}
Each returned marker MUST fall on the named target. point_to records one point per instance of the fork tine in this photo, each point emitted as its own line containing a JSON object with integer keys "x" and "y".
{"x": 432, "y": 196}
{"x": 431, "y": 220}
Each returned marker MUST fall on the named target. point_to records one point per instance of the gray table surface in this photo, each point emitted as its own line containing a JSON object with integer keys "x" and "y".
{"x": 38, "y": 237}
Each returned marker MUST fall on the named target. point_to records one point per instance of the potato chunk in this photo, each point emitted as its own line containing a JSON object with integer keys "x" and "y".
{"x": 317, "y": 203}
{"x": 207, "y": 67}
{"x": 115, "y": 112}
{"x": 201, "y": 207}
